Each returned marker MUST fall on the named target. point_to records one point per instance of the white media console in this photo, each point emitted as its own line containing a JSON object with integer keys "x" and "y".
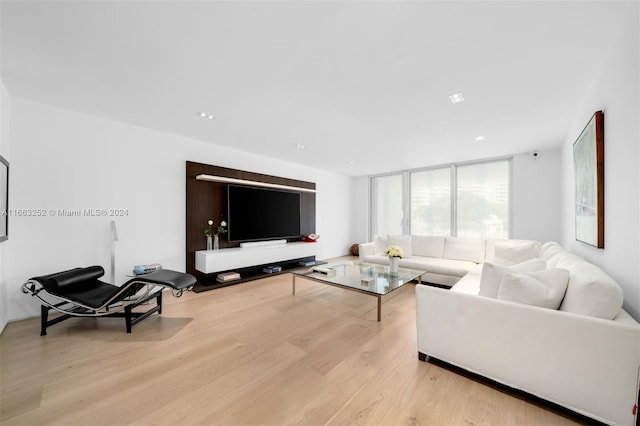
{"x": 211, "y": 261}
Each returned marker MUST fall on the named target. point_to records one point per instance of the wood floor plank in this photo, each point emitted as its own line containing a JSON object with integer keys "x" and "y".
{"x": 246, "y": 355}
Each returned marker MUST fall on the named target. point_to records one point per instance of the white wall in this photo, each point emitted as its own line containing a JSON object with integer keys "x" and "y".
{"x": 4, "y": 151}
{"x": 68, "y": 160}
{"x": 616, "y": 91}
{"x": 536, "y": 196}
{"x": 360, "y": 207}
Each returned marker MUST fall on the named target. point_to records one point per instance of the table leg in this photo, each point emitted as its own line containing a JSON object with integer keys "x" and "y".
{"x": 379, "y": 308}
{"x": 294, "y": 284}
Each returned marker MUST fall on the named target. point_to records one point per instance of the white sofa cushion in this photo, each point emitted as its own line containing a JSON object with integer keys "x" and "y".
{"x": 516, "y": 251}
{"x": 492, "y": 275}
{"x": 458, "y": 268}
{"x": 469, "y": 284}
{"x": 427, "y": 246}
{"x": 464, "y": 249}
{"x": 592, "y": 292}
{"x": 549, "y": 253}
{"x": 402, "y": 241}
{"x": 491, "y": 247}
{"x": 543, "y": 288}
{"x": 380, "y": 244}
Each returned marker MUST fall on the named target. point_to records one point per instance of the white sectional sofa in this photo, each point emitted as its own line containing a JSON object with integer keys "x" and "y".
{"x": 446, "y": 259}
{"x": 551, "y": 325}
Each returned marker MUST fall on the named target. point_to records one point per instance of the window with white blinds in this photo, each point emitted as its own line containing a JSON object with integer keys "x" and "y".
{"x": 387, "y": 205}
{"x": 470, "y": 200}
{"x": 482, "y": 200}
{"x": 431, "y": 202}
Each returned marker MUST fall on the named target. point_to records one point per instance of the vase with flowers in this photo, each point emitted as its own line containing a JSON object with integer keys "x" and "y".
{"x": 395, "y": 253}
{"x": 209, "y": 233}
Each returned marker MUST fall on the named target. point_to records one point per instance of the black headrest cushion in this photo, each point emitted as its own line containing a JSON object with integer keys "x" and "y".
{"x": 72, "y": 279}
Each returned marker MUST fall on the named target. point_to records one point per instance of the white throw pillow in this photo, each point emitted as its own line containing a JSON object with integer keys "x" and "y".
{"x": 543, "y": 288}
{"x": 379, "y": 244}
{"x": 402, "y": 241}
{"x": 591, "y": 292}
{"x": 492, "y": 275}
{"x": 512, "y": 252}
{"x": 550, "y": 252}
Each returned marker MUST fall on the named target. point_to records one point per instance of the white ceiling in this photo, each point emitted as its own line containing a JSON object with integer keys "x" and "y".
{"x": 364, "y": 82}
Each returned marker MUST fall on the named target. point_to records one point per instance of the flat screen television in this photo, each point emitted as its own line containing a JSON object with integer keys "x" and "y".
{"x": 257, "y": 214}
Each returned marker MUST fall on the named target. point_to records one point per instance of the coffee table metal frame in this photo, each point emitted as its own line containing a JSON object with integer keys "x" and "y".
{"x": 404, "y": 274}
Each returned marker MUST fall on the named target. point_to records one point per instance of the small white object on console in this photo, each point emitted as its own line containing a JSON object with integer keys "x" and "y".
{"x": 210, "y": 261}
{"x": 270, "y": 243}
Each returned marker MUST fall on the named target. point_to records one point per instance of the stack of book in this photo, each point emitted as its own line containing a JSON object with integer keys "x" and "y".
{"x": 324, "y": 270}
{"x": 271, "y": 269}
{"x": 228, "y": 276}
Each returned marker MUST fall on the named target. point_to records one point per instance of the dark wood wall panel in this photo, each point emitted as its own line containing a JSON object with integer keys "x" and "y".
{"x": 208, "y": 200}
{"x": 308, "y": 213}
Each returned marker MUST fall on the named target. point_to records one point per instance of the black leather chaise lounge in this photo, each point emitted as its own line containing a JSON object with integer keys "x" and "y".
{"x": 79, "y": 293}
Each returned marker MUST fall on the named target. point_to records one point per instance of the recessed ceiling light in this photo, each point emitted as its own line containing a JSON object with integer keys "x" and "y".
{"x": 479, "y": 138}
{"x": 456, "y": 98}
{"x": 352, "y": 163}
{"x": 207, "y": 116}
{"x": 299, "y": 146}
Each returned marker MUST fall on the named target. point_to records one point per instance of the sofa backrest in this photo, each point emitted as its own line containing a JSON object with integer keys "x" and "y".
{"x": 511, "y": 252}
{"x": 381, "y": 242}
{"x": 454, "y": 248}
{"x": 468, "y": 249}
{"x": 428, "y": 246}
{"x": 590, "y": 290}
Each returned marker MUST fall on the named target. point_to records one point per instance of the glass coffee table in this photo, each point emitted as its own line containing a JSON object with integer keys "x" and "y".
{"x": 368, "y": 278}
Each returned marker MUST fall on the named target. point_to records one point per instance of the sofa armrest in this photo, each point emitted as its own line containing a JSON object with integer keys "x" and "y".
{"x": 365, "y": 249}
{"x": 586, "y": 364}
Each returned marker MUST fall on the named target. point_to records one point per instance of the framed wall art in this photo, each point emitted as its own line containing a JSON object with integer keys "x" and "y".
{"x": 4, "y": 199}
{"x": 588, "y": 161}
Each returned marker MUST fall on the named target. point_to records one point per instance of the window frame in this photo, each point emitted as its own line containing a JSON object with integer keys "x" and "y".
{"x": 406, "y": 193}
{"x": 373, "y": 201}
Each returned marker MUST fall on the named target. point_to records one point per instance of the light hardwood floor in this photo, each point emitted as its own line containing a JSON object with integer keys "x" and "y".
{"x": 247, "y": 354}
